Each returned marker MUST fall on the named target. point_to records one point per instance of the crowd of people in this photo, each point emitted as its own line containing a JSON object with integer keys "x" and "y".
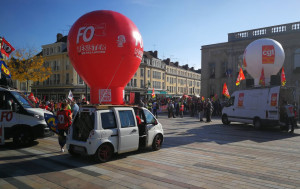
{"x": 65, "y": 111}
{"x": 179, "y": 107}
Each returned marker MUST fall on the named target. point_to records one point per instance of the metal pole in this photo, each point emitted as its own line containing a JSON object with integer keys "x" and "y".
{"x": 86, "y": 92}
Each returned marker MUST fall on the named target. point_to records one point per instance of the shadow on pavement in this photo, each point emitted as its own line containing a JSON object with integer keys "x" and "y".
{"x": 220, "y": 134}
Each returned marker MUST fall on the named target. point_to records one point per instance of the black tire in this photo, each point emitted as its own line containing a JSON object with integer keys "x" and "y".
{"x": 22, "y": 137}
{"x": 104, "y": 153}
{"x": 157, "y": 142}
{"x": 225, "y": 120}
{"x": 72, "y": 153}
{"x": 257, "y": 123}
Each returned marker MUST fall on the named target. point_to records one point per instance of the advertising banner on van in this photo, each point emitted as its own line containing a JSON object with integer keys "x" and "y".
{"x": 241, "y": 100}
{"x": 274, "y": 99}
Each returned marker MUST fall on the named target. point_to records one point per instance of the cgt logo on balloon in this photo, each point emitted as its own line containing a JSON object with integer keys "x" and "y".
{"x": 268, "y": 54}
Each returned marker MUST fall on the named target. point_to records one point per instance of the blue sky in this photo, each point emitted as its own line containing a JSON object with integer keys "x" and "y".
{"x": 175, "y": 28}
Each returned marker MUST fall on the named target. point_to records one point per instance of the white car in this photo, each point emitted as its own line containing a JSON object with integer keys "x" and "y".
{"x": 103, "y": 130}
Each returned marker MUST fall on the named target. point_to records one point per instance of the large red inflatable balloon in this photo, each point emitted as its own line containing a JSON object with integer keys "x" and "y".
{"x": 105, "y": 48}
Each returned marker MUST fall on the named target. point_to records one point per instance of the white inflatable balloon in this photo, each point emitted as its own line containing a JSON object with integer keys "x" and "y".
{"x": 263, "y": 53}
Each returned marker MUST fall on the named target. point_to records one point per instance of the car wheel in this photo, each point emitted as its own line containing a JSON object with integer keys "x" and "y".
{"x": 104, "y": 153}
{"x": 72, "y": 153}
{"x": 157, "y": 142}
{"x": 225, "y": 120}
{"x": 22, "y": 137}
{"x": 257, "y": 123}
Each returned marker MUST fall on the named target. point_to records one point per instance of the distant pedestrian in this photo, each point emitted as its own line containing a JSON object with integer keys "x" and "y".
{"x": 208, "y": 110}
{"x": 181, "y": 109}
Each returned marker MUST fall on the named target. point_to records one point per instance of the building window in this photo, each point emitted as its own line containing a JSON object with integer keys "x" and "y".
{"x": 67, "y": 65}
{"x": 67, "y": 78}
{"x": 148, "y": 73}
{"x": 142, "y": 83}
{"x": 156, "y": 75}
{"x": 58, "y": 49}
{"x": 80, "y": 81}
{"x": 142, "y": 72}
{"x": 212, "y": 67}
{"x": 57, "y": 79}
{"x": 297, "y": 61}
{"x": 23, "y": 86}
{"x": 134, "y": 83}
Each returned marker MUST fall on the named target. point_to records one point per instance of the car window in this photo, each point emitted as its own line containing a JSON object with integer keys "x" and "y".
{"x": 127, "y": 118}
{"x": 150, "y": 119}
{"x": 230, "y": 102}
{"x": 108, "y": 120}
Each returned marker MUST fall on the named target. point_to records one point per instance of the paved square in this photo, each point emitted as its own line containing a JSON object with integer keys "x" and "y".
{"x": 194, "y": 155}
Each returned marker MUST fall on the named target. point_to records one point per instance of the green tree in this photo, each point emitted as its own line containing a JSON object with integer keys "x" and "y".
{"x": 25, "y": 65}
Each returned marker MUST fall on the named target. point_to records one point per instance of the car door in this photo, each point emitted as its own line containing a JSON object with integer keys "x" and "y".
{"x": 127, "y": 129}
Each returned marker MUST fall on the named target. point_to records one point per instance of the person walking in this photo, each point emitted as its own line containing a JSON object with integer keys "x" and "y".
{"x": 74, "y": 108}
{"x": 181, "y": 109}
{"x": 154, "y": 108}
{"x": 209, "y": 109}
{"x": 64, "y": 117}
{"x": 201, "y": 110}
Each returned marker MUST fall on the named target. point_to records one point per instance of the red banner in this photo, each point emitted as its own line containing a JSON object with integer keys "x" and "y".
{"x": 240, "y": 77}
{"x": 262, "y": 78}
{"x": 6, "y": 48}
{"x": 132, "y": 98}
{"x": 283, "y": 80}
{"x": 241, "y": 99}
{"x": 225, "y": 91}
{"x": 274, "y": 99}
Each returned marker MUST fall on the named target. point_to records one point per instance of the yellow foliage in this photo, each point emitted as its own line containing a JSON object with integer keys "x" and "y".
{"x": 26, "y": 65}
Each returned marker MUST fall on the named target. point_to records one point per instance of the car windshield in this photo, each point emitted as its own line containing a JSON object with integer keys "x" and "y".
{"x": 22, "y": 99}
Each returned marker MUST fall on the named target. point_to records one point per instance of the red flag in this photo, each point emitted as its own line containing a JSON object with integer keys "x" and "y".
{"x": 240, "y": 77}
{"x": 153, "y": 94}
{"x": 262, "y": 78}
{"x": 132, "y": 98}
{"x": 283, "y": 80}
{"x": 32, "y": 98}
{"x": 225, "y": 91}
{"x": 6, "y": 48}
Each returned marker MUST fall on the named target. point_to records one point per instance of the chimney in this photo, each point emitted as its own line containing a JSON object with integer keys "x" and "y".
{"x": 59, "y": 36}
{"x": 155, "y": 54}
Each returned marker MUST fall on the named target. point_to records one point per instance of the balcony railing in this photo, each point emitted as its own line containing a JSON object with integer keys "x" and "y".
{"x": 262, "y": 32}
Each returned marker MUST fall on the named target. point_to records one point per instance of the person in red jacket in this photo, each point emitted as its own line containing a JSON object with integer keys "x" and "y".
{"x": 64, "y": 117}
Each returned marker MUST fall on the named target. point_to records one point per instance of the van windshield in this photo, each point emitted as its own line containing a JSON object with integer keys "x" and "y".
{"x": 22, "y": 99}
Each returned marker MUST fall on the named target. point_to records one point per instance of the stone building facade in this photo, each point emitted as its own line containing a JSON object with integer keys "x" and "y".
{"x": 165, "y": 77}
{"x": 221, "y": 62}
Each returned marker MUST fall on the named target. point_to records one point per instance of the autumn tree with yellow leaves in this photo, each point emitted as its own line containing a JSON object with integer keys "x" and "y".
{"x": 25, "y": 65}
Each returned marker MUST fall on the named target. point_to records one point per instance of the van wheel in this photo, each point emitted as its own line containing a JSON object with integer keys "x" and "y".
{"x": 257, "y": 123}
{"x": 157, "y": 142}
{"x": 22, "y": 137}
{"x": 225, "y": 120}
{"x": 104, "y": 153}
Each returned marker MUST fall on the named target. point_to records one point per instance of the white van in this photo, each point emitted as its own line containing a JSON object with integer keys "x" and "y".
{"x": 258, "y": 106}
{"x": 20, "y": 119}
{"x": 102, "y": 130}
